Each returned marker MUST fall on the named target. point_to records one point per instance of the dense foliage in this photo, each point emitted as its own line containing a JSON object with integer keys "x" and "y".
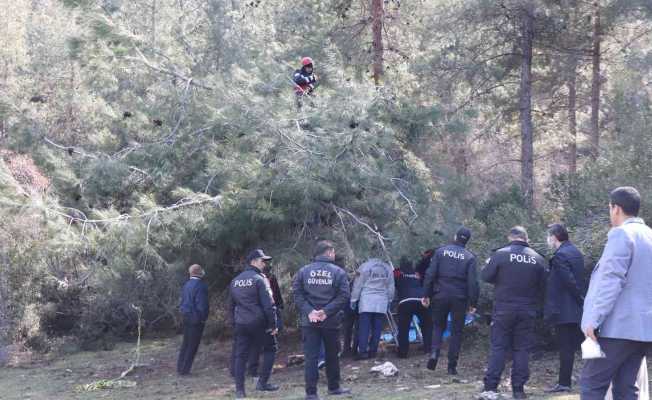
{"x": 137, "y": 138}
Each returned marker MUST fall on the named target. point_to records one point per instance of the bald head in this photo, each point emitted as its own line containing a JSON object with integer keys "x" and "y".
{"x": 196, "y": 270}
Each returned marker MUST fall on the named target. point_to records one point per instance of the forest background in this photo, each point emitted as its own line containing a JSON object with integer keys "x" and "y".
{"x": 138, "y": 137}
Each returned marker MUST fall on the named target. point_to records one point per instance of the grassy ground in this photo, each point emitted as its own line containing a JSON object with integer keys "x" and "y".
{"x": 58, "y": 379}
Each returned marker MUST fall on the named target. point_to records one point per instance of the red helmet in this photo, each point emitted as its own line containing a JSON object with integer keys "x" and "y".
{"x": 306, "y": 61}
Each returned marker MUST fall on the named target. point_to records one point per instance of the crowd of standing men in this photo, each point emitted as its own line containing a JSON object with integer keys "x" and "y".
{"x": 616, "y": 312}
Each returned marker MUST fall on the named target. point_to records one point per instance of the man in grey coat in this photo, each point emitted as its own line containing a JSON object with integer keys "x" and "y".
{"x": 373, "y": 291}
{"x": 618, "y": 305}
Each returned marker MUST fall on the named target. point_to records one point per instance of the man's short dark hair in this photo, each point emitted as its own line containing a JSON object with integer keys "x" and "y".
{"x": 322, "y": 247}
{"x": 559, "y": 231}
{"x": 627, "y": 198}
{"x": 518, "y": 232}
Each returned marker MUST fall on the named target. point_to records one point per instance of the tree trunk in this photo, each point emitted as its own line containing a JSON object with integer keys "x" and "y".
{"x": 595, "y": 83}
{"x": 377, "y": 30}
{"x": 571, "y": 83}
{"x": 154, "y": 23}
{"x": 525, "y": 105}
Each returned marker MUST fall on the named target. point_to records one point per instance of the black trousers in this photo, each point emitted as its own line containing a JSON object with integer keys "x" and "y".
{"x": 620, "y": 367}
{"x": 569, "y": 338}
{"x": 312, "y": 340}
{"x": 268, "y": 349}
{"x": 406, "y": 311}
{"x": 513, "y": 330}
{"x": 247, "y": 339}
{"x": 350, "y": 331}
{"x": 440, "y": 310}
{"x": 191, "y": 338}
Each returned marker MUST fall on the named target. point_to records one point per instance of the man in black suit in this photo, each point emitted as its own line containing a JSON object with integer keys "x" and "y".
{"x": 194, "y": 307}
{"x": 564, "y": 299}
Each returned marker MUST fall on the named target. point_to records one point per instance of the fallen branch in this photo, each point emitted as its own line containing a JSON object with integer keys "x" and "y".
{"x": 374, "y": 231}
{"x": 407, "y": 200}
{"x": 119, "y": 382}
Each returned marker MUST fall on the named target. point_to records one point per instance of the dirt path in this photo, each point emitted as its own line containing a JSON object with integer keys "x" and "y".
{"x": 56, "y": 380}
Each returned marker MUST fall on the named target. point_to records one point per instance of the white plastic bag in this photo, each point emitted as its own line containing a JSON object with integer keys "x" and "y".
{"x": 387, "y": 369}
{"x": 591, "y": 349}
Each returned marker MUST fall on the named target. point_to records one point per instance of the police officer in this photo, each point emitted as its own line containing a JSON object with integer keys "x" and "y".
{"x": 194, "y": 307}
{"x": 254, "y": 316}
{"x": 452, "y": 283}
{"x": 409, "y": 289}
{"x": 321, "y": 292}
{"x": 270, "y": 347}
{"x": 519, "y": 275}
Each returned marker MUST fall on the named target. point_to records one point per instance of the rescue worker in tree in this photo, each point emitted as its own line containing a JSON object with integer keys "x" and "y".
{"x": 254, "y": 316}
{"x": 409, "y": 289}
{"x": 518, "y": 274}
{"x": 321, "y": 291}
{"x": 305, "y": 81}
{"x": 452, "y": 283}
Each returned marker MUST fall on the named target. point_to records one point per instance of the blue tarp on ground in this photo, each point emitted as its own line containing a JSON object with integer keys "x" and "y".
{"x": 389, "y": 337}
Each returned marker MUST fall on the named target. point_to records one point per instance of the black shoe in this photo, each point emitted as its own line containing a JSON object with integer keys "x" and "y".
{"x": 266, "y": 387}
{"x": 240, "y": 394}
{"x": 519, "y": 395}
{"x": 339, "y": 391}
{"x": 452, "y": 370}
{"x": 362, "y": 356}
{"x": 432, "y": 364}
{"x": 559, "y": 389}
